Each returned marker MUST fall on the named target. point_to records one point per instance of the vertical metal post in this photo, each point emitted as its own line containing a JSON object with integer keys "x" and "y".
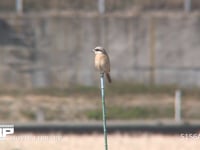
{"x": 187, "y": 6}
{"x": 19, "y": 6}
{"x": 103, "y": 110}
{"x": 178, "y": 106}
{"x": 101, "y": 6}
{"x": 152, "y": 50}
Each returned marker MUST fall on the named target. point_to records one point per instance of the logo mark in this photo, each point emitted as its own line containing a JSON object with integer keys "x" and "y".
{"x": 6, "y": 130}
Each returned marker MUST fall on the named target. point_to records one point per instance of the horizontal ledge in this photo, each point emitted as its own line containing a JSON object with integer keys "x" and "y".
{"x": 97, "y": 127}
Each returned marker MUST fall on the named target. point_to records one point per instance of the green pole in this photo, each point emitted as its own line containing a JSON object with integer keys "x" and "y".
{"x": 104, "y": 111}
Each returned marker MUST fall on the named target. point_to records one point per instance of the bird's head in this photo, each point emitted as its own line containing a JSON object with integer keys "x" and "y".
{"x": 99, "y": 50}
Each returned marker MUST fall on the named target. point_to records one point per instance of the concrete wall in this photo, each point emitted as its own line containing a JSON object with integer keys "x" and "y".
{"x": 55, "y": 50}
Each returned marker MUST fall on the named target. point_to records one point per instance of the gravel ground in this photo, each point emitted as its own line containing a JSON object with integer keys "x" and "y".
{"x": 95, "y": 142}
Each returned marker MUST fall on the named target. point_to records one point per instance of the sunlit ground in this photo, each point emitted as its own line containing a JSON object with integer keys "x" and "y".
{"x": 96, "y": 142}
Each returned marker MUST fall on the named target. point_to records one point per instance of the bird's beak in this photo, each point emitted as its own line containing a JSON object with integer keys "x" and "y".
{"x": 93, "y": 50}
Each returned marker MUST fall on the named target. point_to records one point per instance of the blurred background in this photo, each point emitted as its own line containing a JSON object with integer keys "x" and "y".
{"x": 46, "y": 64}
{"x": 48, "y": 43}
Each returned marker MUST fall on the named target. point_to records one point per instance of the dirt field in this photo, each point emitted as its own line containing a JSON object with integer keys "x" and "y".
{"x": 25, "y": 108}
{"x": 96, "y": 142}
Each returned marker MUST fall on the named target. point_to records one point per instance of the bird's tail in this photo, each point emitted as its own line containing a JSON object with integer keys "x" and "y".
{"x": 108, "y": 77}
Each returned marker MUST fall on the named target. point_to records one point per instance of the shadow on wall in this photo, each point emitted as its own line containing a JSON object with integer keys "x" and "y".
{"x": 8, "y": 35}
{"x": 17, "y": 67}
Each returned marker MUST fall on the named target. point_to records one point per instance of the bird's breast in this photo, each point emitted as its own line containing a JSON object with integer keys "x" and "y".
{"x": 100, "y": 61}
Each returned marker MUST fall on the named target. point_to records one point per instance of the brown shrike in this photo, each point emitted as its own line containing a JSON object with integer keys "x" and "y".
{"x": 102, "y": 62}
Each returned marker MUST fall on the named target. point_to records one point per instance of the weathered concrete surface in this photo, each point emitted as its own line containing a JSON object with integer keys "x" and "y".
{"x": 55, "y": 50}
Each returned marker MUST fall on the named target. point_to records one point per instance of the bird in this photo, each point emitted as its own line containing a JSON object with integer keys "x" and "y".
{"x": 102, "y": 61}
